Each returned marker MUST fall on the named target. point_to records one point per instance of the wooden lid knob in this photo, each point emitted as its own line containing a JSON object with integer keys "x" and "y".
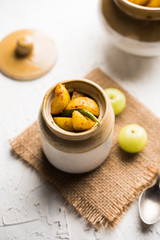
{"x": 24, "y": 46}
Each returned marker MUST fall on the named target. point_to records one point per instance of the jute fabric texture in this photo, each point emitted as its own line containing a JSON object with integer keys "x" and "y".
{"x": 103, "y": 195}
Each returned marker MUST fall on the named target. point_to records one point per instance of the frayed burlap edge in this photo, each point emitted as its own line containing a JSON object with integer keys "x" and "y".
{"x": 84, "y": 208}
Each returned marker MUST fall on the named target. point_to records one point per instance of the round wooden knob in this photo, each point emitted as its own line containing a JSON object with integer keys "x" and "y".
{"x": 24, "y": 46}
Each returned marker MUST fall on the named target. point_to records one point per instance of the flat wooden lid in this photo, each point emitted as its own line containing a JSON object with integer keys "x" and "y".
{"x": 27, "y": 54}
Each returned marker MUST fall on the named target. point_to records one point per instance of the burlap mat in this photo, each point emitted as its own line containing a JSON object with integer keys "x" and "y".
{"x": 101, "y": 196}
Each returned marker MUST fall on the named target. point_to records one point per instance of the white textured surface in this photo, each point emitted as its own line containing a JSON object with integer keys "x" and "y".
{"x": 82, "y": 45}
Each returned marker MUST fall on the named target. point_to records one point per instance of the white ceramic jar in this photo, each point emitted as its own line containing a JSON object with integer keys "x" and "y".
{"x": 135, "y": 36}
{"x": 77, "y": 152}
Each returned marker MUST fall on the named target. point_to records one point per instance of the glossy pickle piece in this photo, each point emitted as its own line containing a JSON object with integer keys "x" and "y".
{"x": 77, "y": 94}
{"x": 84, "y": 103}
{"x": 153, "y": 3}
{"x": 81, "y": 122}
{"x": 139, "y": 2}
{"x": 147, "y": 3}
{"x": 64, "y": 123}
{"x": 60, "y": 100}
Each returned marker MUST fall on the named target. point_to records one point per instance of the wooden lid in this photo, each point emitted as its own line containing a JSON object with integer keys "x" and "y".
{"x": 27, "y": 54}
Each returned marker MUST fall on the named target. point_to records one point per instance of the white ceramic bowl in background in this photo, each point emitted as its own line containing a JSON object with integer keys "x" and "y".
{"x": 83, "y": 151}
{"x": 127, "y": 33}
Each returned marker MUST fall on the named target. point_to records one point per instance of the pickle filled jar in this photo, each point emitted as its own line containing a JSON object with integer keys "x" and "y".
{"x": 77, "y": 151}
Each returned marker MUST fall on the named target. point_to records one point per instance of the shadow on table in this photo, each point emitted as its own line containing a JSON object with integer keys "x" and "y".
{"x": 145, "y": 228}
{"x": 127, "y": 66}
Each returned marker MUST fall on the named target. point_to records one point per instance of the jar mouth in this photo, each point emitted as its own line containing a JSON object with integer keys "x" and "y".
{"x": 138, "y": 11}
{"x": 144, "y": 8}
{"x": 87, "y": 87}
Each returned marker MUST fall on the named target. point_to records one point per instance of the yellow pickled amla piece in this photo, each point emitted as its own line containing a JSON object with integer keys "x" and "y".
{"x": 81, "y": 122}
{"x": 77, "y": 94}
{"x": 64, "y": 123}
{"x": 154, "y": 3}
{"x": 139, "y": 2}
{"x": 60, "y": 100}
{"x": 84, "y": 103}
